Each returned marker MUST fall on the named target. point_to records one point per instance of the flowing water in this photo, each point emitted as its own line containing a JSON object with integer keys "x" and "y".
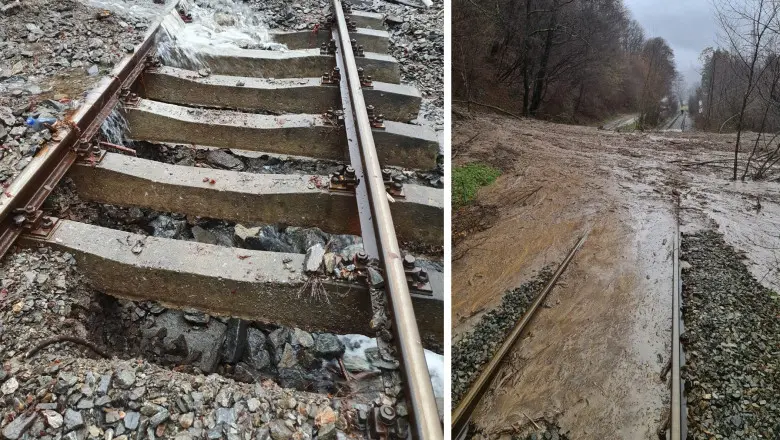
{"x": 224, "y": 25}
{"x": 356, "y": 346}
{"x": 114, "y": 128}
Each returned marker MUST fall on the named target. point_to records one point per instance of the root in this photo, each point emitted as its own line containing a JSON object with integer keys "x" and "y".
{"x": 63, "y": 338}
{"x": 317, "y": 289}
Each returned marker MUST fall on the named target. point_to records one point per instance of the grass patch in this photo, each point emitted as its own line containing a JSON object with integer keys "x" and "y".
{"x": 629, "y": 128}
{"x": 468, "y": 179}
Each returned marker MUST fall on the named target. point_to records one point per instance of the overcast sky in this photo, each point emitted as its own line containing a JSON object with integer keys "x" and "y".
{"x": 688, "y": 26}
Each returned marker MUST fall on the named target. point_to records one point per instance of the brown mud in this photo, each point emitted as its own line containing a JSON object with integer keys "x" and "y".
{"x": 592, "y": 357}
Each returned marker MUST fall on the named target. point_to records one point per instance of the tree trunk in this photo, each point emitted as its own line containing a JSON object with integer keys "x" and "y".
{"x": 541, "y": 74}
{"x": 526, "y": 50}
{"x": 709, "y": 95}
{"x": 578, "y": 103}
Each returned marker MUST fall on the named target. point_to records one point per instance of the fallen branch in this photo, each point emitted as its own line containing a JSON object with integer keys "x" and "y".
{"x": 498, "y": 109}
{"x": 539, "y": 428}
{"x": 63, "y": 338}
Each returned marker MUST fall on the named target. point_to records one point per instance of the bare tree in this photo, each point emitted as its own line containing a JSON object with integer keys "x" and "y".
{"x": 747, "y": 27}
{"x": 567, "y": 60}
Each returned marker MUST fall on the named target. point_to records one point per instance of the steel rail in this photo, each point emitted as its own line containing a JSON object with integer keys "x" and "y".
{"x": 35, "y": 183}
{"x": 423, "y": 410}
{"x": 367, "y": 230}
{"x": 678, "y": 418}
{"x": 469, "y": 402}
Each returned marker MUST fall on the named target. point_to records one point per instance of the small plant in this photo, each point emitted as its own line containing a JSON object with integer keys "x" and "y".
{"x": 468, "y": 179}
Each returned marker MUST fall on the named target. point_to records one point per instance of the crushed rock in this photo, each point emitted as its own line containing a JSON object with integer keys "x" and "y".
{"x": 51, "y": 53}
{"x": 66, "y": 388}
{"x": 731, "y": 343}
{"x": 477, "y": 347}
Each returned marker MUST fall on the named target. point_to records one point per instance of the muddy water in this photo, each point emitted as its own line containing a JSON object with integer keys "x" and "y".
{"x": 592, "y": 358}
{"x": 747, "y": 213}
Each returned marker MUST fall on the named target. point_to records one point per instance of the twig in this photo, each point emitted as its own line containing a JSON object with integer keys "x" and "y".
{"x": 463, "y": 144}
{"x": 344, "y": 370}
{"x": 64, "y": 338}
{"x": 498, "y": 109}
{"x": 314, "y": 283}
{"x": 666, "y": 369}
{"x": 532, "y": 421}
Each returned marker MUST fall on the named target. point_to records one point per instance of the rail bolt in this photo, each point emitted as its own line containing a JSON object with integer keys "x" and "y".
{"x": 362, "y": 419}
{"x": 422, "y": 276}
{"x": 47, "y": 223}
{"x": 361, "y": 257}
{"x": 387, "y": 174}
{"x": 386, "y": 414}
{"x": 409, "y": 261}
{"x": 349, "y": 171}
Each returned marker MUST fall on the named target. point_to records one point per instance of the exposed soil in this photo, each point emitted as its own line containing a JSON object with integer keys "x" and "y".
{"x": 591, "y": 359}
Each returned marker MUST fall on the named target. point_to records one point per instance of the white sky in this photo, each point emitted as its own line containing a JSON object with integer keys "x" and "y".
{"x": 688, "y": 26}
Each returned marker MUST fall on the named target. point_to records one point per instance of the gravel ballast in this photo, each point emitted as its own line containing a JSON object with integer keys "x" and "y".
{"x": 731, "y": 342}
{"x": 478, "y": 346}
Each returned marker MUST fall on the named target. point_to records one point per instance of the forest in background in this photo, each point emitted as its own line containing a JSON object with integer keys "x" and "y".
{"x": 573, "y": 61}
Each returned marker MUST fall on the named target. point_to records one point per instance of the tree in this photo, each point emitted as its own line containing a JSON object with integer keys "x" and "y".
{"x": 747, "y": 29}
{"x": 566, "y": 60}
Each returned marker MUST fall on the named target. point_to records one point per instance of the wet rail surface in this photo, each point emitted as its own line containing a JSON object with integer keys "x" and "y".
{"x": 323, "y": 102}
{"x": 462, "y": 412}
{"x": 677, "y": 423}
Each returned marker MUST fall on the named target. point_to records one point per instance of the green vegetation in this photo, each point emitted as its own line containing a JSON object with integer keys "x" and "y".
{"x": 629, "y": 128}
{"x": 467, "y": 179}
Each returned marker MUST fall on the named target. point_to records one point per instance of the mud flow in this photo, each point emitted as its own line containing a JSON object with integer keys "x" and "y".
{"x": 590, "y": 363}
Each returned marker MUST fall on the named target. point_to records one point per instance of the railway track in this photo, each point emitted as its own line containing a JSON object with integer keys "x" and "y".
{"x": 678, "y": 415}
{"x": 461, "y": 414}
{"x": 674, "y": 426}
{"x": 336, "y": 96}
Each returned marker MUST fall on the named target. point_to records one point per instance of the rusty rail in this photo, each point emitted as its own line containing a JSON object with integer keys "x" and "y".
{"x": 380, "y": 238}
{"x": 678, "y": 414}
{"x": 20, "y": 204}
{"x": 462, "y": 413}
